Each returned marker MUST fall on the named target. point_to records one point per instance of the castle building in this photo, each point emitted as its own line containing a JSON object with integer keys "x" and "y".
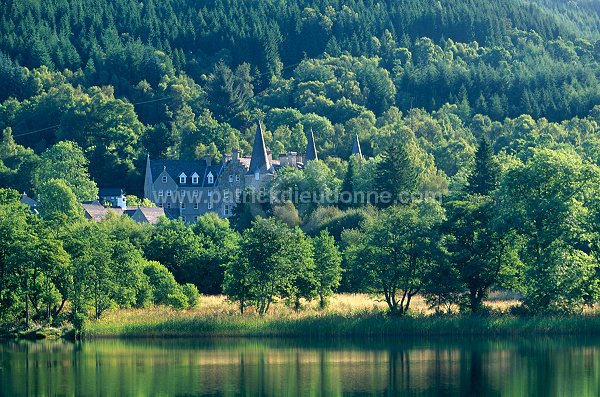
{"x": 187, "y": 189}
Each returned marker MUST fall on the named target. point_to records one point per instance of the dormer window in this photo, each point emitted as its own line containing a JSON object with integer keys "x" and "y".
{"x": 182, "y": 178}
{"x": 164, "y": 179}
{"x": 210, "y": 177}
{"x": 194, "y": 179}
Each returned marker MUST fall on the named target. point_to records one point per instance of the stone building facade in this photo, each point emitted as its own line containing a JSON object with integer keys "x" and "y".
{"x": 188, "y": 189}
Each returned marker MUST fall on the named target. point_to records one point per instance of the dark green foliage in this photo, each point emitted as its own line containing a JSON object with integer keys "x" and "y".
{"x": 87, "y": 90}
{"x": 328, "y": 270}
{"x": 486, "y": 174}
{"x": 398, "y": 173}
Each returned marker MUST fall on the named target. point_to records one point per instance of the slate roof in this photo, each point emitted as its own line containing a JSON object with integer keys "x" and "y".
{"x": 25, "y": 199}
{"x": 356, "y": 147}
{"x": 175, "y": 167}
{"x": 260, "y": 159}
{"x": 97, "y": 212}
{"x": 171, "y": 213}
{"x": 311, "y": 148}
{"x": 152, "y": 214}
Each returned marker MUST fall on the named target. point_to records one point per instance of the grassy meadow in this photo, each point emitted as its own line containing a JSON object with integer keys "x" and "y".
{"x": 348, "y": 315}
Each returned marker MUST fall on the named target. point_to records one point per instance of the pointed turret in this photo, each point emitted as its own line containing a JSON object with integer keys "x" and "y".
{"x": 311, "y": 148}
{"x": 356, "y": 147}
{"x": 260, "y": 159}
{"x": 148, "y": 180}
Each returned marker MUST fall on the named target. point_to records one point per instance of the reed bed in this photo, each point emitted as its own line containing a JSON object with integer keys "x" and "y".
{"x": 348, "y": 315}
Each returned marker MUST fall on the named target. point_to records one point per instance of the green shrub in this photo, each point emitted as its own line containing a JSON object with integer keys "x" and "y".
{"x": 192, "y": 294}
{"x": 178, "y": 300}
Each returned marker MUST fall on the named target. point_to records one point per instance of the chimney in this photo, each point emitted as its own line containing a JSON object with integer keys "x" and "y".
{"x": 235, "y": 155}
{"x": 208, "y": 160}
{"x": 226, "y": 159}
{"x": 270, "y": 156}
{"x": 283, "y": 160}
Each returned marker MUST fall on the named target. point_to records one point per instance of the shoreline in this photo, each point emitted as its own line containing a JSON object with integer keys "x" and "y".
{"x": 336, "y": 326}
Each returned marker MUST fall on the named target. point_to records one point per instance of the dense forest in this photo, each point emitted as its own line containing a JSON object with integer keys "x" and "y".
{"x": 494, "y": 106}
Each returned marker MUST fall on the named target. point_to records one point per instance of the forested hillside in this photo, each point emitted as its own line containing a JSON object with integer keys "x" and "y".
{"x": 492, "y": 105}
{"x": 197, "y": 73}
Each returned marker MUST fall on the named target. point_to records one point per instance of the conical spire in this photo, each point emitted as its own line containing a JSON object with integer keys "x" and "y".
{"x": 148, "y": 180}
{"x": 356, "y": 147}
{"x": 260, "y": 159}
{"x": 311, "y": 148}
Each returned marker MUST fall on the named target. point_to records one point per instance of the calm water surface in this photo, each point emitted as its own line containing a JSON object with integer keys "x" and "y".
{"x": 256, "y": 367}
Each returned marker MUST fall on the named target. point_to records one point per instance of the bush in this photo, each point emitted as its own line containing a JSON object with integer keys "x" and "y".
{"x": 163, "y": 284}
{"x": 178, "y": 300}
{"x": 192, "y": 294}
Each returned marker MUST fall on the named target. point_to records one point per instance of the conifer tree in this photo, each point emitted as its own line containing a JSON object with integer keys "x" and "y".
{"x": 486, "y": 174}
{"x": 398, "y": 173}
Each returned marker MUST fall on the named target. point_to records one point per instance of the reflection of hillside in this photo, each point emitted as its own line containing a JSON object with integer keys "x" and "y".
{"x": 276, "y": 367}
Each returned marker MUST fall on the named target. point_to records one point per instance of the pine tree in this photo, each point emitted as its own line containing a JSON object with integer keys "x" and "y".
{"x": 486, "y": 174}
{"x": 348, "y": 183}
{"x": 398, "y": 172}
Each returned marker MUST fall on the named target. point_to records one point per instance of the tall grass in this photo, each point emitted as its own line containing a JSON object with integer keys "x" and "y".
{"x": 347, "y": 315}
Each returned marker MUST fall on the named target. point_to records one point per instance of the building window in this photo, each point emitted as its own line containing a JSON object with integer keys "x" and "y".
{"x": 196, "y": 219}
{"x": 160, "y": 205}
{"x": 227, "y": 210}
{"x": 210, "y": 205}
{"x": 164, "y": 179}
{"x": 210, "y": 194}
{"x": 182, "y": 205}
{"x": 169, "y": 193}
{"x": 168, "y": 205}
{"x": 238, "y": 193}
{"x": 210, "y": 177}
{"x": 230, "y": 178}
{"x": 195, "y": 206}
{"x": 257, "y": 176}
{"x": 226, "y": 195}
{"x": 237, "y": 178}
{"x": 182, "y": 178}
{"x": 195, "y": 179}
{"x": 195, "y": 193}
{"x": 183, "y": 217}
{"x": 160, "y": 193}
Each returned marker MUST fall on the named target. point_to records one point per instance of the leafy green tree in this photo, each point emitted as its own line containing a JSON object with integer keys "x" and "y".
{"x": 93, "y": 273}
{"x": 165, "y": 289}
{"x": 304, "y": 283}
{"x": 179, "y": 249}
{"x": 58, "y": 202}
{"x": 220, "y": 243}
{"x": 16, "y": 236}
{"x": 66, "y": 161}
{"x": 17, "y": 164}
{"x": 266, "y": 264}
{"x": 398, "y": 252}
{"x": 328, "y": 270}
{"x": 546, "y": 200}
{"x": 479, "y": 249}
